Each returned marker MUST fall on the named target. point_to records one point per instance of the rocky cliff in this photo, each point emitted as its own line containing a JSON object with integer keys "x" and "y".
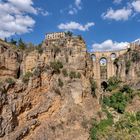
{"x": 46, "y": 95}
{"x": 128, "y": 65}
{"x": 49, "y": 93}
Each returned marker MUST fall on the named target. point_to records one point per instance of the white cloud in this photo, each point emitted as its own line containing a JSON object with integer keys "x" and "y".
{"x": 120, "y": 14}
{"x": 23, "y": 5}
{"x": 75, "y": 26}
{"x": 78, "y": 3}
{"x": 136, "y": 5}
{"x": 109, "y": 45}
{"x": 117, "y": 1}
{"x": 73, "y": 9}
{"x": 15, "y": 18}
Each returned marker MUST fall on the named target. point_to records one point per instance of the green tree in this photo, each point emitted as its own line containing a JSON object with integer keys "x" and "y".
{"x": 56, "y": 66}
{"x": 21, "y": 44}
{"x": 14, "y": 42}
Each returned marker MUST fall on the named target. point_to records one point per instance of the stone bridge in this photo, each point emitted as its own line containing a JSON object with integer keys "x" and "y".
{"x": 104, "y": 67}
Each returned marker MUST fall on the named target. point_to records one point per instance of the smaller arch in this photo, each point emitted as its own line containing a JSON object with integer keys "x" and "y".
{"x": 93, "y": 57}
{"x": 104, "y": 85}
{"x": 113, "y": 56}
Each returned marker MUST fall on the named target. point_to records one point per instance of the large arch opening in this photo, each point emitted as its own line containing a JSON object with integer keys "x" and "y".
{"x": 103, "y": 69}
{"x": 104, "y": 85}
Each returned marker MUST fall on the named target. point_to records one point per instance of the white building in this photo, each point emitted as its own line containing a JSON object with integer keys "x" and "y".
{"x": 55, "y": 36}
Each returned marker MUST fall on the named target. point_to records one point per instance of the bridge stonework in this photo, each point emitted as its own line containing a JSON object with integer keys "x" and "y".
{"x": 104, "y": 67}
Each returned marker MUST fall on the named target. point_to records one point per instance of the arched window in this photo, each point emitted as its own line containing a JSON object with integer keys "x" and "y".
{"x": 93, "y": 57}
{"x": 103, "y": 68}
{"x": 113, "y": 56}
{"x": 103, "y": 61}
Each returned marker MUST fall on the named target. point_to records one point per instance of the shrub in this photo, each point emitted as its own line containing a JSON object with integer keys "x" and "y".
{"x": 135, "y": 56}
{"x": 56, "y": 50}
{"x": 37, "y": 72}
{"x": 56, "y": 66}
{"x": 60, "y": 83}
{"x": 78, "y": 75}
{"x": 117, "y": 101}
{"x": 39, "y": 49}
{"x": 65, "y": 73}
{"x": 116, "y": 62}
{"x": 93, "y": 87}
{"x": 100, "y": 127}
{"x": 57, "y": 91}
{"x": 72, "y": 74}
{"x": 10, "y": 81}
{"x": 26, "y": 77}
{"x": 113, "y": 83}
{"x": 127, "y": 65}
{"x": 127, "y": 89}
{"x": 138, "y": 116}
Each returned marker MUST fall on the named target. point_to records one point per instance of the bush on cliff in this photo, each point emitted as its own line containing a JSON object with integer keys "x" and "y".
{"x": 93, "y": 87}
{"x": 26, "y": 77}
{"x": 56, "y": 66}
{"x": 10, "y": 81}
{"x": 113, "y": 83}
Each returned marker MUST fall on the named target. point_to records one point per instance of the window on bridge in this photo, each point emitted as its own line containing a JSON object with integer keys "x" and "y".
{"x": 113, "y": 56}
{"x": 93, "y": 57}
{"x": 103, "y": 68}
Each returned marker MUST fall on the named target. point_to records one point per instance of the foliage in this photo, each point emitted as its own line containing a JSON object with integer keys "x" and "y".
{"x": 37, "y": 72}
{"x": 56, "y": 66}
{"x": 14, "y": 42}
{"x": 100, "y": 127}
{"x": 116, "y": 61}
{"x": 60, "y": 83}
{"x": 69, "y": 33}
{"x": 10, "y": 81}
{"x": 26, "y": 77}
{"x": 119, "y": 100}
{"x": 21, "y": 44}
{"x": 136, "y": 56}
{"x": 138, "y": 116}
{"x": 78, "y": 75}
{"x": 113, "y": 83}
{"x": 93, "y": 87}
{"x": 72, "y": 74}
{"x": 65, "y": 73}
{"x": 80, "y": 37}
{"x": 39, "y": 49}
{"x": 127, "y": 65}
{"x": 56, "y": 49}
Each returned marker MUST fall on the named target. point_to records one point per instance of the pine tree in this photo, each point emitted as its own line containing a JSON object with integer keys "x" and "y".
{"x": 21, "y": 44}
{"x": 14, "y": 42}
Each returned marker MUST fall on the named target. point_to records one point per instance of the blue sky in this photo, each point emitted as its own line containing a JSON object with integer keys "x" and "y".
{"x": 104, "y": 24}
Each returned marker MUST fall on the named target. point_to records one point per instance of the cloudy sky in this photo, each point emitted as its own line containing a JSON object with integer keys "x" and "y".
{"x": 104, "y": 24}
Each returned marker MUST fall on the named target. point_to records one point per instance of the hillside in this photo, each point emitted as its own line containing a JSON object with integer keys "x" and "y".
{"x": 49, "y": 92}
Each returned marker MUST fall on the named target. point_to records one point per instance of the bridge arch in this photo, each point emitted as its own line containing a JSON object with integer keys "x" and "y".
{"x": 103, "y": 61}
{"x": 113, "y": 56}
{"x": 104, "y": 85}
{"x": 93, "y": 56}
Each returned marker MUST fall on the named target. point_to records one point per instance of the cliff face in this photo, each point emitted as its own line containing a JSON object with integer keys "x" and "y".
{"x": 128, "y": 65}
{"x": 9, "y": 61}
{"x": 49, "y": 93}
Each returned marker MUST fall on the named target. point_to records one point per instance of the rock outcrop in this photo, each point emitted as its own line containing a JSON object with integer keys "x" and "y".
{"x": 49, "y": 94}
